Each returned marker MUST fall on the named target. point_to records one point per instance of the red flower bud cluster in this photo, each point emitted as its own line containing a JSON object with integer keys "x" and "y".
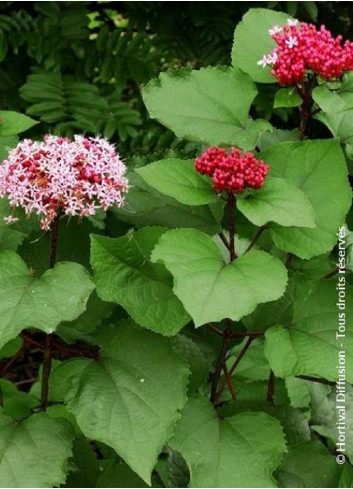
{"x": 232, "y": 172}
{"x": 302, "y": 48}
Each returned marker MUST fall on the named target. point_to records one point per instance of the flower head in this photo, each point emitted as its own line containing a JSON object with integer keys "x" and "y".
{"x": 302, "y": 49}
{"x": 232, "y": 172}
{"x": 59, "y": 175}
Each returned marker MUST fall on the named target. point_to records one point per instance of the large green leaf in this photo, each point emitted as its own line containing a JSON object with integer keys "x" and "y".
{"x": 317, "y": 168}
{"x": 225, "y": 452}
{"x": 130, "y": 398}
{"x": 34, "y": 452}
{"x": 210, "y": 105}
{"x": 278, "y": 201}
{"x": 309, "y": 345}
{"x": 179, "y": 179}
{"x": 330, "y": 412}
{"x": 252, "y": 41}
{"x": 308, "y": 464}
{"x": 145, "y": 206}
{"x": 212, "y": 290}
{"x": 59, "y": 295}
{"x": 279, "y": 351}
{"x": 124, "y": 274}
{"x": 337, "y": 108}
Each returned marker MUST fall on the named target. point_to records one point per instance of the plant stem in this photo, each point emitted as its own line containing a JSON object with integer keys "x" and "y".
{"x": 221, "y": 362}
{"x": 234, "y": 366}
{"x": 47, "y": 362}
{"x": 271, "y": 388}
{"x": 54, "y": 241}
{"x": 215, "y": 329}
{"x": 256, "y": 237}
{"x": 231, "y": 210}
{"x": 46, "y": 373}
{"x": 251, "y": 334}
{"x": 229, "y": 382}
{"x": 227, "y": 334}
{"x": 319, "y": 380}
{"x": 305, "y": 113}
{"x": 224, "y": 240}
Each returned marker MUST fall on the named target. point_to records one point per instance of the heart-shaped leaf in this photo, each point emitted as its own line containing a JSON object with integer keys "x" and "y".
{"x": 179, "y": 179}
{"x": 278, "y": 201}
{"x": 210, "y": 105}
{"x": 60, "y": 294}
{"x": 212, "y": 290}
{"x": 130, "y": 398}
{"x": 318, "y": 168}
{"x": 219, "y": 452}
{"x": 124, "y": 274}
{"x": 34, "y": 452}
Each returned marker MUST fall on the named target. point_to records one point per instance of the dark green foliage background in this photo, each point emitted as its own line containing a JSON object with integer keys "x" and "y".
{"x": 80, "y": 66}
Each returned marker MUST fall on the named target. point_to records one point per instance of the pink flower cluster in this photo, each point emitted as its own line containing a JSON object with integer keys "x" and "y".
{"x": 304, "y": 48}
{"x": 232, "y": 172}
{"x": 59, "y": 175}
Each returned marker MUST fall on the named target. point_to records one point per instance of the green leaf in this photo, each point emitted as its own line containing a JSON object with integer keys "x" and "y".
{"x": 252, "y": 41}
{"x": 124, "y": 274}
{"x": 337, "y": 108}
{"x": 279, "y": 351}
{"x": 34, "y": 452}
{"x": 16, "y": 404}
{"x": 130, "y": 398}
{"x": 73, "y": 245}
{"x": 294, "y": 422}
{"x": 84, "y": 467}
{"x": 195, "y": 358}
{"x": 298, "y": 392}
{"x": 12, "y": 123}
{"x": 330, "y": 411}
{"x": 59, "y": 295}
{"x": 11, "y": 235}
{"x": 11, "y": 347}
{"x": 95, "y": 312}
{"x": 212, "y": 290}
{"x": 318, "y": 169}
{"x": 172, "y": 469}
{"x": 312, "y": 335}
{"x": 144, "y": 206}
{"x": 119, "y": 475}
{"x": 276, "y": 312}
{"x": 346, "y": 479}
{"x": 308, "y": 464}
{"x": 221, "y": 452}
{"x": 210, "y": 105}
{"x": 179, "y": 179}
{"x": 287, "y": 97}
{"x": 7, "y": 143}
{"x": 278, "y": 201}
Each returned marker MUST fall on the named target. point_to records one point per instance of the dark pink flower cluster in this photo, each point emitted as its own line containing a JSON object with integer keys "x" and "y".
{"x": 74, "y": 177}
{"x": 304, "y": 48}
{"x": 232, "y": 172}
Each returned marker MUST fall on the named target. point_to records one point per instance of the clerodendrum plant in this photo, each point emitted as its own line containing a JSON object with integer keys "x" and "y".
{"x": 234, "y": 285}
